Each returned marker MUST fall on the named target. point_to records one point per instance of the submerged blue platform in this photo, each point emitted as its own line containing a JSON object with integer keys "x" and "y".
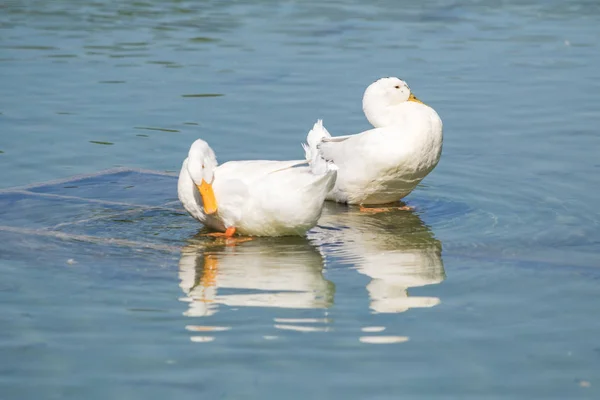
{"x": 117, "y": 207}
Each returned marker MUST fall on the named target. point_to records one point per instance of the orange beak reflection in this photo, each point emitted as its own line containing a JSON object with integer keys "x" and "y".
{"x": 413, "y": 98}
{"x": 208, "y": 197}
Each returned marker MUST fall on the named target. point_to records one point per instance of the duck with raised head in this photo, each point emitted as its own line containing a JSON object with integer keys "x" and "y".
{"x": 382, "y": 165}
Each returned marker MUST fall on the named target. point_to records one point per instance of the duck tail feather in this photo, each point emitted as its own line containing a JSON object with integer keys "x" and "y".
{"x": 318, "y": 164}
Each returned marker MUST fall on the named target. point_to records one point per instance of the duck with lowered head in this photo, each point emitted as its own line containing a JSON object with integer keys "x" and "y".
{"x": 382, "y": 165}
{"x": 256, "y": 197}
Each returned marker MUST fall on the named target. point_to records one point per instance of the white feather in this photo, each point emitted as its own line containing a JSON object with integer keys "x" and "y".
{"x": 315, "y": 137}
{"x": 260, "y": 197}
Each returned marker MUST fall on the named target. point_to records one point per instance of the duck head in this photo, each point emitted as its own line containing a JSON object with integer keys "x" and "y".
{"x": 385, "y": 98}
{"x": 201, "y": 166}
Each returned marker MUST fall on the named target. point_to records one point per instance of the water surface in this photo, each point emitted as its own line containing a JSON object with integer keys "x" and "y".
{"x": 489, "y": 288}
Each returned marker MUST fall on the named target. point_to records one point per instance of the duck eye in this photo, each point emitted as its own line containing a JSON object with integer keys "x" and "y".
{"x": 397, "y": 86}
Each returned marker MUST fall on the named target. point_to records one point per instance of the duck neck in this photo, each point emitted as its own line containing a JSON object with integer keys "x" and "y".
{"x": 381, "y": 117}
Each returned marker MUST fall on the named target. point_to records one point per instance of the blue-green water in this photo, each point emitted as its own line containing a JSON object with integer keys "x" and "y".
{"x": 489, "y": 289}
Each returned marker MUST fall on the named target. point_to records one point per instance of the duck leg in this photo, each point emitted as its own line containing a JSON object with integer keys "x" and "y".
{"x": 227, "y": 234}
{"x": 375, "y": 210}
{"x": 230, "y": 240}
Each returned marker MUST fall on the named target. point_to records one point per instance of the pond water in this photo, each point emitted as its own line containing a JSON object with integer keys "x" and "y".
{"x": 490, "y": 288}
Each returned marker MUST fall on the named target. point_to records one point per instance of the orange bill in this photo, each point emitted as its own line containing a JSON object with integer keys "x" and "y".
{"x": 413, "y": 98}
{"x": 208, "y": 197}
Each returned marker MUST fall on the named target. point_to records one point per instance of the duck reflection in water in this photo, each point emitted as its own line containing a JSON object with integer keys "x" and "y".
{"x": 264, "y": 272}
{"x": 395, "y": 249}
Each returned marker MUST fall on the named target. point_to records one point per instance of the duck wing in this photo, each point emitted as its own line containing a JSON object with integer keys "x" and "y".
{"x": 252, "y": 170}
{"x": 351, "y": 148}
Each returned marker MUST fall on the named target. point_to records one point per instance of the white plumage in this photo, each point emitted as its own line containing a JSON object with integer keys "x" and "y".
{"x": 384, "y": 164}
{"x": 257, "y": 198}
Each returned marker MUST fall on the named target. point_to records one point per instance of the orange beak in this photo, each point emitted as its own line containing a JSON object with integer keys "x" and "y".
{"x": 413, "y": 98}
{"x": 208, "y": 197}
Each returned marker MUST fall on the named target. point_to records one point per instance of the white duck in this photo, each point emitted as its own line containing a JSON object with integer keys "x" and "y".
{"x": 256, "y": 198}
{"x": 384, "y": 164}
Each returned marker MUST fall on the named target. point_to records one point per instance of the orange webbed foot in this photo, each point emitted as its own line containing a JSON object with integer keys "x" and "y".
{"x": 227, "y": 234}
{"x": 228, "y": 237}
